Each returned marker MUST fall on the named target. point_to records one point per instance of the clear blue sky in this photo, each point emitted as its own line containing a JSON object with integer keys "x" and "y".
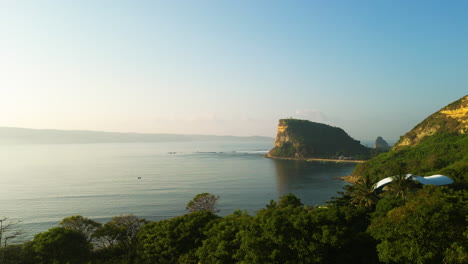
{"x": 374, "y": 68}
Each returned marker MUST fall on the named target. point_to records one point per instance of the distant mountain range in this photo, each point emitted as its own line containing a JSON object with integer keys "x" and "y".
{"x": 13, "y": 135}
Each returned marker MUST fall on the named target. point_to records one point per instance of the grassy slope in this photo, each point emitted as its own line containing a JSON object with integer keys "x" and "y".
{"x": 443, "y": 153}
{"x": 440, "y": 122}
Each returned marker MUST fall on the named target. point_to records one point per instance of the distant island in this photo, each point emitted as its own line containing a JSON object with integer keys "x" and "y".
{"x": 13, "y": 135}
{"x": 302, "y": 139}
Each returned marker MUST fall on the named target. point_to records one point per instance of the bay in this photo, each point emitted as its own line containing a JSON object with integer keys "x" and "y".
{"x": 42, "y": 184}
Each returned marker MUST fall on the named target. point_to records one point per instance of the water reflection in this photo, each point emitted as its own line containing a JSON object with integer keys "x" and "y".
{"x": 288, "y": 173}
{"x": 313, "y": 182}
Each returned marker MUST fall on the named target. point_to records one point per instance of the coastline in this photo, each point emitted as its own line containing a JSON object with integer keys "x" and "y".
{"x": 349, "y": 179}
{"x": 316, "y": 159}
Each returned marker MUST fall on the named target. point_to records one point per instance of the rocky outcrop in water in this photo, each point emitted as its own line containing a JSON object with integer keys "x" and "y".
{"x": 381, "y": 144}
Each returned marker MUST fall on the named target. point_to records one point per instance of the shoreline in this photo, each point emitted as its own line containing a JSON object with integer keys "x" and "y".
{"x": 349, "y": 178}
{"x": 316, "y": 159}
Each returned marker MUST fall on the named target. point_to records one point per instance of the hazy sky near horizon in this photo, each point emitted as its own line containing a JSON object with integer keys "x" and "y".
{"x": 373, "y": 68}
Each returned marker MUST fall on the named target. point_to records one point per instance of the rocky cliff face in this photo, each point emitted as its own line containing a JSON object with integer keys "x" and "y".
{"x": 305, "y": 139}
{"x": 380, "y": 143}
{"x": 451, "y": 119}
{"x": 282, "y": 136}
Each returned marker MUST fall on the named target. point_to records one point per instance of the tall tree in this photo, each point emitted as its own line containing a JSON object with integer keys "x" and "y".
{"x": 83, "y": 225}
{"x": 401, "y": 185}
{"x": 363, "y": 193}
{"x": 203, "y": 202}
{"x": 120, "y": 232}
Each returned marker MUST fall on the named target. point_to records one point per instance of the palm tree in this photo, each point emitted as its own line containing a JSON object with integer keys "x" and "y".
{"x": 401, "y": 185}
{"x": 363, "y": 193}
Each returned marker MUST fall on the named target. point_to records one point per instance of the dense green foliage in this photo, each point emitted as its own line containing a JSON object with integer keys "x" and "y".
{"x": 424, "y": 229}
{"x": 315, "y": 140}
{"x": 222, "y": 243}
{"x": 296, "y": 234}
{"x": 175, "y": 240}
{"x": 439, "y": 154}
{"x": 61, "y": 245}
{"x": 426, "y": 225}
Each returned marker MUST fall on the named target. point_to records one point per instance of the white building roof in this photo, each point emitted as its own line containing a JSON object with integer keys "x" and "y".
{"x": 432, "y": 180}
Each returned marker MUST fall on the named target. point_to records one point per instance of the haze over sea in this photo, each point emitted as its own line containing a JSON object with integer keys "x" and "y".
{"x": 42, "y": 184}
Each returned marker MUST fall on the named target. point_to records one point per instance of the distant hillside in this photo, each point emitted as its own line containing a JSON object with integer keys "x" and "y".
{"x": 305, "y": 139}
{"x": 451, "y": 119}
{"x": 9, "y": 135}
{"x": 437, "y": 145}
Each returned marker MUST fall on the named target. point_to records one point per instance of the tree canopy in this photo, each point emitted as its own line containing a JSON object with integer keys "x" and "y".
{"x": 175, "y": 240}
{"x": 426, "y": 225}
{"x": 61, "y": 245}
{"x": 421, "y": 230}
{"x": 203, "y": 202}
{"x": 81, "y": 224}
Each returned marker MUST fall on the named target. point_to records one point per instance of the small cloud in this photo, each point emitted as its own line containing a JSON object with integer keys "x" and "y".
{"x": 312, "y": 115}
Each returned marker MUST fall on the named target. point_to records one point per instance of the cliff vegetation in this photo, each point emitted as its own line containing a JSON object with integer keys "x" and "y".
{"x": 452, "y": 119}
{"x": 437, "y": 145}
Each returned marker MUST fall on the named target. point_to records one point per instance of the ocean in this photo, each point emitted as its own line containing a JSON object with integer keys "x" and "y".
{"x": 42, "y": 184}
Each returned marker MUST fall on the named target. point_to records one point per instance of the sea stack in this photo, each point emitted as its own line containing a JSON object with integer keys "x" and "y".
{"x": 380, "y": 143}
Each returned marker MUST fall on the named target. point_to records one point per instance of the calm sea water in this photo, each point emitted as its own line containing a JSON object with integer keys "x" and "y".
{"x": 42, "y": 184}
